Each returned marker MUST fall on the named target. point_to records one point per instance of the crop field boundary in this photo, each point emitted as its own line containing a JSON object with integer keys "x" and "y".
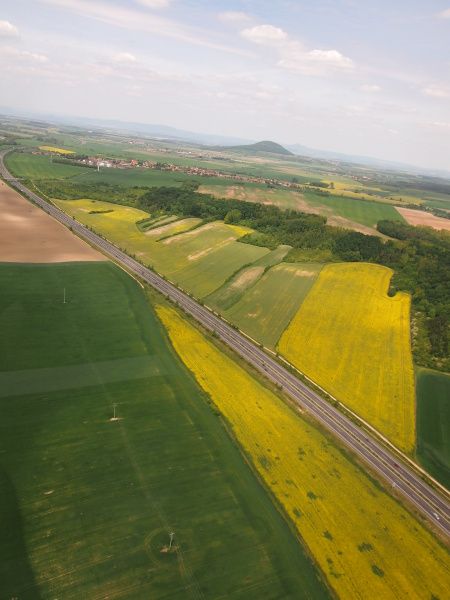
{"x": 280, "y": 359}
{"x": 366, "y": 467}
{"x": 246, "y": 456}
{"x": 323, "y": 392}
{"x": 420, "y": 473}
{"x": 335, "y": 402}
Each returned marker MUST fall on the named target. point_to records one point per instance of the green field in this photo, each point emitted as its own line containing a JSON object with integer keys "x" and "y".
{"x": 166, "y": 229}
{"x": 266, "y": 309}
{"x": 87, "y": 504}
{"x": 36, "y": 167}
{"x": 433, "y": 423}
{"x": 364, "y": 212}
{"x": 234, "y": 288}
{"x": 207, "y": 256}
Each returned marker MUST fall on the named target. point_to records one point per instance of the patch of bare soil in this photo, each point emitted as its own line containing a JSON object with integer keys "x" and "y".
{"x": 420, "y": 217}
{"x": 29, "y": 235}
{"x": 348, "y": 224}
{"x": 247, "y": 277}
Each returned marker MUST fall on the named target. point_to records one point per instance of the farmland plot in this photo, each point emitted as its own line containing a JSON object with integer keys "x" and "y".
{"x": 353, "y": 340}
{"x": 266, "y": 309}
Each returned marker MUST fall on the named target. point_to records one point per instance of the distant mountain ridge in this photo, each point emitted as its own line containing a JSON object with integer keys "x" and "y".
{"x": 266, "y": 146}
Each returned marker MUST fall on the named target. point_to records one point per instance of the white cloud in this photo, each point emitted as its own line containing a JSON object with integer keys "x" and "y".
{"x": 154, "y": 3}
{"x": 7, "y": 29}
{"x": 233, "y": 16}
{"x": 441, "y": 124}
{"x": 33, "y": 56}
{"x": 332, "y": 58}
{"x": 371, "y": 88}
{"x": 437, "y": 91}
{"x": 445, "y": 14}
{"x": 125, "y": 57}
{"x": 22, "y": 56}
{"x": 293, "y": 55}
{"x": 136, "y": 20}
{"x": 264, "y": 34}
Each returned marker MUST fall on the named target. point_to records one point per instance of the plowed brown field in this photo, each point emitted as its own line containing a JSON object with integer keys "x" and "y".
{"x": 29, "y": 235}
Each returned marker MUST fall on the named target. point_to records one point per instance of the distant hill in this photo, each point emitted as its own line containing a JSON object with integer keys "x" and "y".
{"x": 265, "y": 146}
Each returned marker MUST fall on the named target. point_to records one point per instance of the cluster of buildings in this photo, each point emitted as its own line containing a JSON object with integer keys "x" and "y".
{"x": 118, "y": 163}
{"x": 121, "y": 163}
{"x": 207, "y": 172}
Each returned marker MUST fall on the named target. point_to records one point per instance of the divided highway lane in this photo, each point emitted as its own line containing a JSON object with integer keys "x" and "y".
{"x": 403, "y": 479}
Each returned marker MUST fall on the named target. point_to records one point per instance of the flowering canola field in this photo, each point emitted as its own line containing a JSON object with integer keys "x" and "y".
{"x": 366, "y": 544}
{"x": 352, "y": 339}
{"x": 56, "y": 150}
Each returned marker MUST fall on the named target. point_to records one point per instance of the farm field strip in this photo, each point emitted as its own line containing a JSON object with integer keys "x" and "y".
{"x": 367, "y": 550}
{"x": 265, "y": 310}
{"x": 365, "y": 212}
{"x": 56, "y": 150}
{"x": 233, "y": 289}
{"x": 149, "y": 223}
{"x": 36, "y": 167}
{"x": 362, "y": 338}
{"x": 168, "y": 229}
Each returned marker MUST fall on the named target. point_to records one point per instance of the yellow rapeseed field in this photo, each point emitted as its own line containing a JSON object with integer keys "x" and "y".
{"x": 366, "y": 544}
{"x": 352, "y": 339}
{"x": 56, "y": 150}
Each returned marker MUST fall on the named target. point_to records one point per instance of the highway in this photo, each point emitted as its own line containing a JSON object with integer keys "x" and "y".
{"x": 401, "y": 477}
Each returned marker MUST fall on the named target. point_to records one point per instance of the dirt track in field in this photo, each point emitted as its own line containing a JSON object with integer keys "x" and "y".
{"x": 28, "y": 235}
{"x": 420, "y": 217}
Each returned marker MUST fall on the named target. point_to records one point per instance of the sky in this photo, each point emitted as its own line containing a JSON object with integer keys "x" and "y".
{"x": 354, "y": 76}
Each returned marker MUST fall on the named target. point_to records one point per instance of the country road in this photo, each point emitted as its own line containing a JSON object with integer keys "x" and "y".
{"x": 403, "y": 478}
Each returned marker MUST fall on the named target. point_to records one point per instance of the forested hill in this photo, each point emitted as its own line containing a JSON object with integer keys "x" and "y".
{"x": 264, "y": 146}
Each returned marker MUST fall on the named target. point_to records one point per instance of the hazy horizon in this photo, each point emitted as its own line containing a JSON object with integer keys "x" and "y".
{"x": 342, "y": 76}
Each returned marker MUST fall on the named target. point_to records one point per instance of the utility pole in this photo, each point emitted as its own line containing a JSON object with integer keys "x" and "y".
{"x": 171, "y": 535}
